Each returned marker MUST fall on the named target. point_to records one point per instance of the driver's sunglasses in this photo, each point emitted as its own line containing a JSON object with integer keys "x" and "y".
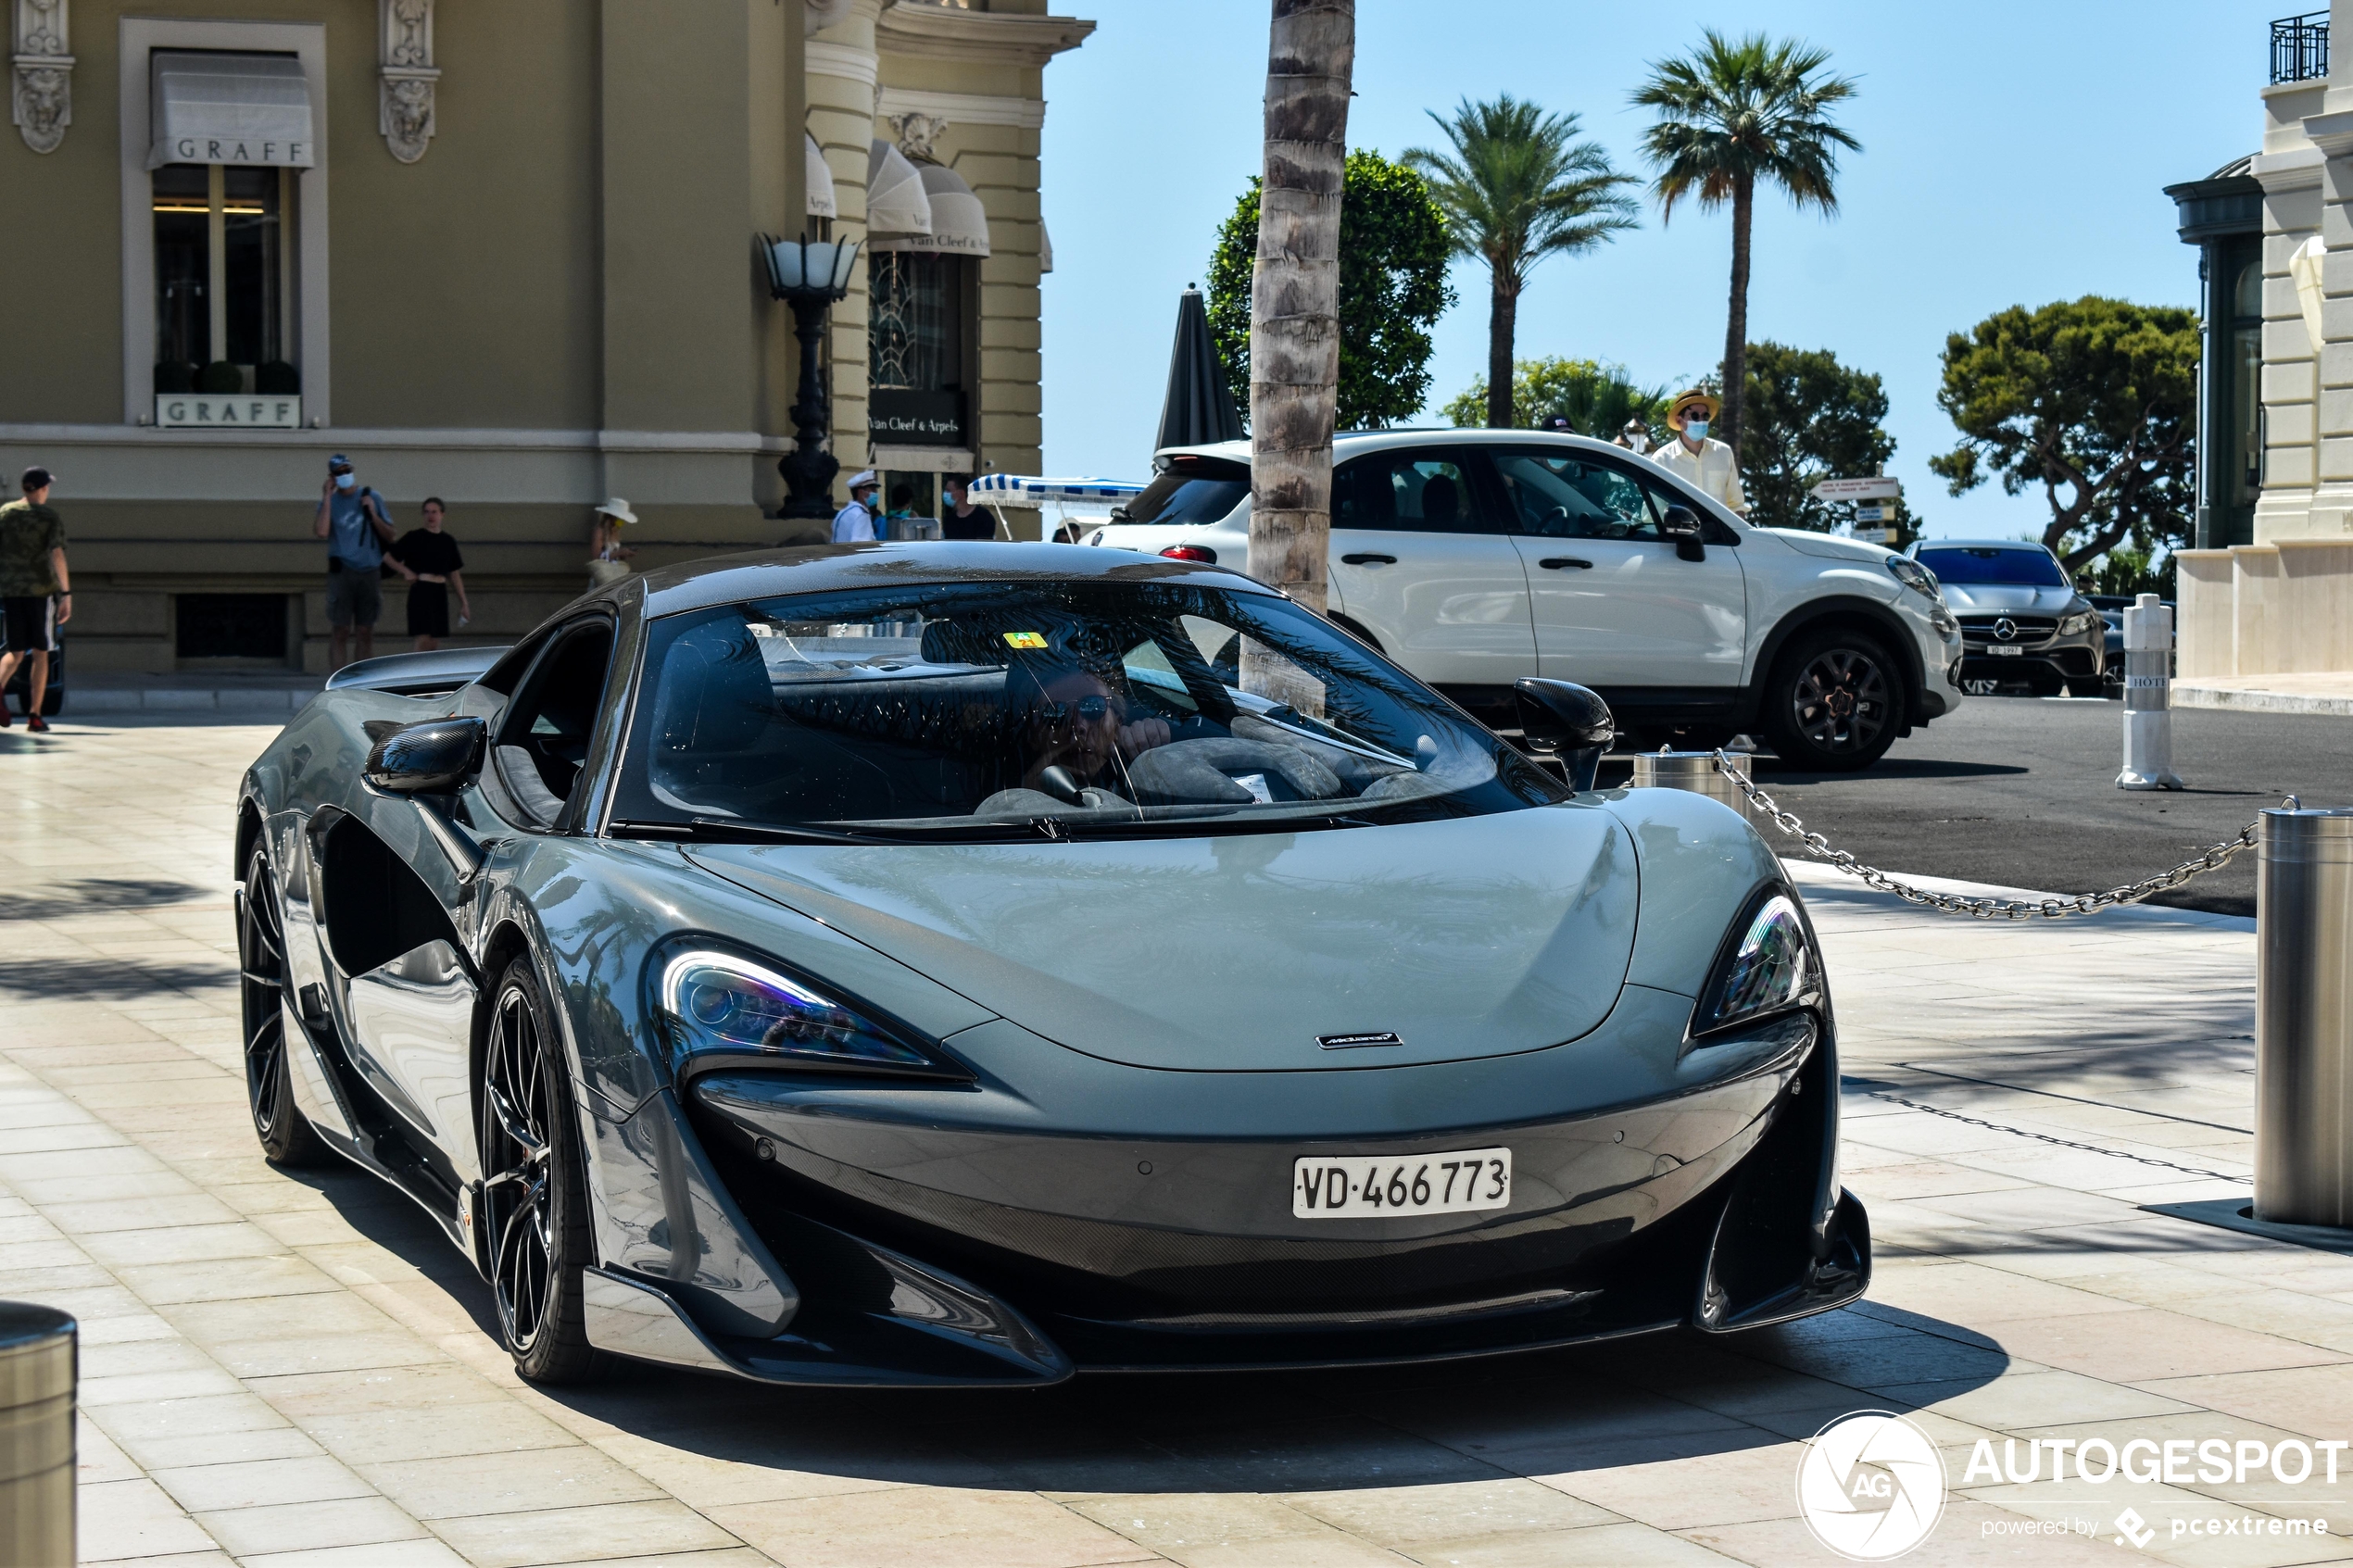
{"x": 1090, "y": 709}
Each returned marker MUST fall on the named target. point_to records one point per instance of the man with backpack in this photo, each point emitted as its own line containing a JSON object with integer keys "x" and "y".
{"x": 355, "y": 522}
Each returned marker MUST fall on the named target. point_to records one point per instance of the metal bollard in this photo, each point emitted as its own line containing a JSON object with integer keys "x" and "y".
{"x": 2304, "y": 1018}
{"x": 2148, "y": 697}
{"x": 37, "y": 1366}
{"x": 1694, "y": 770}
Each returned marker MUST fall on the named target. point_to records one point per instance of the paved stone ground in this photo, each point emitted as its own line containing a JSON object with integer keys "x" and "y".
{"x": 290, "y": 1369}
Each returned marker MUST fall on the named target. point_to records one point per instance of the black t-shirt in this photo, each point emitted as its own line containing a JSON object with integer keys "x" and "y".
{"x": 982, "y": 524}
{"x": 428, "y": 554}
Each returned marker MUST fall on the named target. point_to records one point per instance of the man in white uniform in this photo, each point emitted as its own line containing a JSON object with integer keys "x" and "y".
{"x": 1707, "y": 466}
{"x": 854, "y": 524}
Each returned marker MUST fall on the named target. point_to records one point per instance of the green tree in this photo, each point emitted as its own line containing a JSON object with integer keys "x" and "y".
{"x": 1519, "y": 185}
{"x": 1810, "y": 419}
{"x": 2093, "y": 400}
{"x": 1392, "y": 288}
{"x": 1736, "y": 113}
{"x": 1596, "y": 399}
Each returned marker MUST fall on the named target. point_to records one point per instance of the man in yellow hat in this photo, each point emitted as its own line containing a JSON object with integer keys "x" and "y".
{"x": 1705, "y": 465}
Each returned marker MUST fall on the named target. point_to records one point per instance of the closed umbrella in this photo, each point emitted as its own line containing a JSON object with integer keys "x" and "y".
{"x": 1198, "y": 409}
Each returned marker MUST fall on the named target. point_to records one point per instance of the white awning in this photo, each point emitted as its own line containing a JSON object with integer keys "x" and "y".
{"x": 959, "y": 224}
{"x": 821, "y": 183}
{"x": 229, "y": 108}
{"x": 895, "y": 200}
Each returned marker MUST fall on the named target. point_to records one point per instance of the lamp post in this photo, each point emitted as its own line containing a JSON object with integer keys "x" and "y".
{"x": 809, "y": 275}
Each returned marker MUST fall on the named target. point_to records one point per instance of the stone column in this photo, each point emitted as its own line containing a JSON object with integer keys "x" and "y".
{"x": 841, "y": 116}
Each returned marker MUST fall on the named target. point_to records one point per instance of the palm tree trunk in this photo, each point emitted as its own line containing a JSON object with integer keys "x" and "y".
{"x": 1736, "y": 318}
{"x": 1294, "y": 326}
{"x": 1503, "y": 324}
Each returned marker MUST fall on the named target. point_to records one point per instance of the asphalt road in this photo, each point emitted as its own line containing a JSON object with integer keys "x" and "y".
{"x": 2022, "y": 793}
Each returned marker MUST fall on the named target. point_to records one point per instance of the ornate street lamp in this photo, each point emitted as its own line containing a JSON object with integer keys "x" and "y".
{"x": 809, "y": 275}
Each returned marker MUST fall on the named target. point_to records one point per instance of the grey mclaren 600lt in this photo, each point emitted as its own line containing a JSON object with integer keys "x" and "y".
{"x": 966, "y": 964}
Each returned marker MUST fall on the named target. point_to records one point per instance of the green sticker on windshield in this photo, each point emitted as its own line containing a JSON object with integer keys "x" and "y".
{"x": 1024, "y": 640}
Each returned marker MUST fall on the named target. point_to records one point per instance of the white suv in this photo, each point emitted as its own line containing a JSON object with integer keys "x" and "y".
{"x": 1473, "y": 557}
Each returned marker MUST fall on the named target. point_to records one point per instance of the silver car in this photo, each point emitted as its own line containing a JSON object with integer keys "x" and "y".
{"x": 2022, "y": 620}
{"x": 960, "y": 964}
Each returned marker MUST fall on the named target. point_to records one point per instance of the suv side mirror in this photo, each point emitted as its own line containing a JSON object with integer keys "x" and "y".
{"x": 1570, "y": 723}
{"x": 1680, "y": 525}
{"x": 433, "y": 758}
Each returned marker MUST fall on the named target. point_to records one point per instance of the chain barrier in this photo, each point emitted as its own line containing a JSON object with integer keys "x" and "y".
{"x": 2214, "y": 857}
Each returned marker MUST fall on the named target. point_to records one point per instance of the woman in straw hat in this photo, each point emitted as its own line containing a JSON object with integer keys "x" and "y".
{"x": 1705, "y": 465}
{"x": 608, "y": 556}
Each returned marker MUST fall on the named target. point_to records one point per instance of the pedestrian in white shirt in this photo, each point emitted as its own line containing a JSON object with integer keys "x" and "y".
{"x": 854, "y": 524}
{"x": 1707, "y": 466}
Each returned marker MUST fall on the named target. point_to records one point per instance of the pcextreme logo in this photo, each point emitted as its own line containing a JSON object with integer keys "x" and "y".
{"x": 1870, "y": 1486}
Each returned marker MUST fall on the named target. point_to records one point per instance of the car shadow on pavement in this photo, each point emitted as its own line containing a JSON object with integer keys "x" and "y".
{"x": 97, "y": 895}
{"x": 1655, "y": 1399}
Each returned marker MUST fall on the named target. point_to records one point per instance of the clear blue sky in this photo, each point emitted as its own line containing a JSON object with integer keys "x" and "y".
{"x": 2012, "y": 153}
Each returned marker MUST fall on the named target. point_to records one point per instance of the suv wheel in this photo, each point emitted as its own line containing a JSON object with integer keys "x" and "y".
{"x": 1834, "y": 702}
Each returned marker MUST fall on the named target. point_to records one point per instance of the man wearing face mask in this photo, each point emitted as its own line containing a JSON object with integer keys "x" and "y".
{"x": 354, "y": 521}
{"x": 1707, "y": 466}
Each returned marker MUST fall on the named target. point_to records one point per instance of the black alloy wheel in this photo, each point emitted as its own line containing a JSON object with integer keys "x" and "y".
{"x": 288, "y": 1137}
{"x": 1834, "y": 703}
{"x": 533, "y": 1201}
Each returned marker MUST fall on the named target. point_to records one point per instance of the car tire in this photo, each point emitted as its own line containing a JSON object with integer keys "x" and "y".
{"x": 287, "y": 1138}
{"x": 1833, "y": 702}
{"x": 535, "y": 1195}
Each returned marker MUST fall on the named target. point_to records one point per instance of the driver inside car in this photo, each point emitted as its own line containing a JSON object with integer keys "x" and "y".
{"x": 1076, "y": 722}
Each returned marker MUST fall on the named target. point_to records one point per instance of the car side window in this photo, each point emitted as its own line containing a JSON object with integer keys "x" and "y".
{"x": 1414, "y": 492}
{"x": 543, "y": 741}
{"x": 1570, "y": 496}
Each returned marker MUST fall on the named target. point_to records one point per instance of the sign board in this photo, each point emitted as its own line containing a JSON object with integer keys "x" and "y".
{"x": 177, "y": 410}
{"x": 898, "y": 417}
{"x": 1872, "y": 487}
{"x": 1880, "y": 535}
{"x": 1870, "y": 511}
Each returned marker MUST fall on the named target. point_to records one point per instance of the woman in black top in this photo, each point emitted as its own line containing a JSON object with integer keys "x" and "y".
{"x": 429, "y": 559}
{"x": 960, "y": 519}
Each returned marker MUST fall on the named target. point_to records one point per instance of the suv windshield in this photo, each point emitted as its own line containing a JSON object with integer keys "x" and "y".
{"x": 1061, "y": 709}
{"x": 2017, "y": 569}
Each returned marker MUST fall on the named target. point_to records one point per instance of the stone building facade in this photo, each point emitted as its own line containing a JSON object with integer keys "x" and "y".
{"x": 507, "y": 255}
{"x": 2269, "y": 588}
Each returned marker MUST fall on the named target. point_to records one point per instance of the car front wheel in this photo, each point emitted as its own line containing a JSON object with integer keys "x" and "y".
{"x": 1833, "y": 703}
{"x": 535, "y": 1198}
{"x": 286, "y": 1135}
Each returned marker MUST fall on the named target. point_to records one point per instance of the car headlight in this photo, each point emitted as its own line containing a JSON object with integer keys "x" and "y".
{"x": 2082, "y": 622}
{"x": 1915, "y": 576}
{"x": 1769, "y": 966}
{"x": 721, "y": 1008}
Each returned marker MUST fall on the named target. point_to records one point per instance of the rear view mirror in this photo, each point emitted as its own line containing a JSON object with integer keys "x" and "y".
{"x": 429, "y": 758}
{"x": 1680, "y": 526}
{"x": 1570, "y": 723}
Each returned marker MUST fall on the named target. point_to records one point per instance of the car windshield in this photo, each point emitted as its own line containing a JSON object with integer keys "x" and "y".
{"x": 1990, "y": 564}
{"x": 1054, "y": 710}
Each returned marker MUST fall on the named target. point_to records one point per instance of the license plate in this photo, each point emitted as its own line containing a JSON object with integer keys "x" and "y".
{"x": 1349, "y": 1187}
{"x": 2005, "y": 650}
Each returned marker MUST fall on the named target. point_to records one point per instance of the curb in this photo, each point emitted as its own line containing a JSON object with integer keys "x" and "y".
{"x": 2247, "y": 701}
{"x": 102, "y": 700}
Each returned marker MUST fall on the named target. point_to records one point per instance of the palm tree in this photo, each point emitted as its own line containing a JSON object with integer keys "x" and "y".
{"x": 1294, "y": 292}
{"x": 1520, "y": 185}
{"x": 1732, "y": 114}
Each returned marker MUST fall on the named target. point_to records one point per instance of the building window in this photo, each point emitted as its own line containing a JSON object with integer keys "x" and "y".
{"x": 2245, "y": 475}
{"x": 224, "y": 304}
{"x": 916, "y": 320}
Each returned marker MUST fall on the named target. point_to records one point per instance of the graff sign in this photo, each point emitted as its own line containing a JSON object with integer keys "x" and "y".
{"x": 178, "y": 411}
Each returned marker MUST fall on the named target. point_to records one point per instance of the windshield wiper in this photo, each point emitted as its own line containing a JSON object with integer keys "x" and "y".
{"x": 714, "y": 830}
